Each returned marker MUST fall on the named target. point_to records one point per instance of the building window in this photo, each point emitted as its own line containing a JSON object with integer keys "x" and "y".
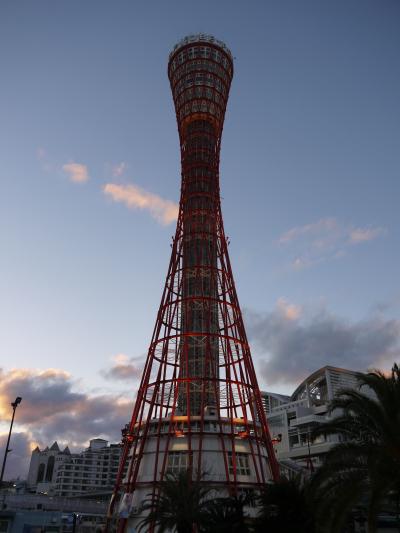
{"x": 40, "y": 474}
{"x": 50, "y": 468}
{"x": 242, "y": 463}
{"x": 177, "y": 462}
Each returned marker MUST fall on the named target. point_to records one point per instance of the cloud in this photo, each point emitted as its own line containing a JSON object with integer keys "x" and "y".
{"x": 359, "y": 235}
{"x": 36, "y": 388}
{"x": 288, "y": 310}
{"x": 18, "y": 459}
{"x": 134, "y": 197}
{"x": 325, "y": 225}
{"x": 78, "y": 173}
{"x": 124, "y": 368}
{"x": 324, "y": 240}
{"x": 52, "y": 409}
{"x": 44, "y": 160}
{"x": 293, "y": 345}
{"x": 118, "y": 170}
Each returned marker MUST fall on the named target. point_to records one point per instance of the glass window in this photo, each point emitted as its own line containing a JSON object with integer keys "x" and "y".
{"x": 242, "y": 463}
{"x": 177, "y": 462}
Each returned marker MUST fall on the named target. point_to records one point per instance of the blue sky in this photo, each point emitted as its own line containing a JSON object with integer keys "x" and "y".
{"x": 309, "y": 177}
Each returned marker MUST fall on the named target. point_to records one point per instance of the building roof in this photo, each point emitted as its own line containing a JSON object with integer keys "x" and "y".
{"x": 200, "y": 37}
{"x": 281, "y": 397}
{"x": 55, "y": 447}
{"x": 319, "y": 373}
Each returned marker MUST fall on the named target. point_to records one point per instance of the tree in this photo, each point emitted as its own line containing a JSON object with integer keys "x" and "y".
{"x": 365, "y": 467}
{"x": 180, "y": 505}
{"x": 286, "y": 507}
{"x": 227, "y": 515}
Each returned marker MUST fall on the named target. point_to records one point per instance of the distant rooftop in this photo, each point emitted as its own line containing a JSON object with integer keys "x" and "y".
{"x": 282, "y": 397}
{"x": 97, "y": 444}
{"x": 200, "y": 37}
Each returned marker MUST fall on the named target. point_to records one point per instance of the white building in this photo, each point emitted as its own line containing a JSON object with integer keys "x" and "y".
{"x": 183, "y": 449}
{"x": 62, "y": 473}
{"x": 89, "y": 472}
{"x": 292, "y": 418}
{"x": 44, "y": 467}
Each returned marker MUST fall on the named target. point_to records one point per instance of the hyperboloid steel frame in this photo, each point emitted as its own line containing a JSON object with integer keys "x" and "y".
{"x": 199, "y": 359}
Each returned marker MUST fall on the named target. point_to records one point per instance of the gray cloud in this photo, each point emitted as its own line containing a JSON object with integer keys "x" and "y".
{"x": 291, "y": 346}
{"x": 99, "y": 416}
{"x": 124, "y": 368}
{"x": 44, "y": 393}
{"x": 18, "y": 458}
{"x": 51, "y": 410}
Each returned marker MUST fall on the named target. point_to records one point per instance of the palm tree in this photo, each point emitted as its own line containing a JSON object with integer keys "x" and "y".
{"x": 365, "y": 467}
{"x": 227, "y": 515}
{"x": 180, "y": 505}
{"x": 285, "y": 507}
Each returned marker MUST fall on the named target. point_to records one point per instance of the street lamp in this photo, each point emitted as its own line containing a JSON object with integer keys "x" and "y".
{"x": 309, "y": 460}
{"x": 14, "y": 405}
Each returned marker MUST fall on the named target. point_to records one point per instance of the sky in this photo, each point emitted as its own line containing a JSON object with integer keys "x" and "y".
{"x": 90, "y": 180}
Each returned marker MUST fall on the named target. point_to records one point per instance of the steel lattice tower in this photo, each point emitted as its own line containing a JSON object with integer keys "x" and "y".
{"x": 198, "y": 405}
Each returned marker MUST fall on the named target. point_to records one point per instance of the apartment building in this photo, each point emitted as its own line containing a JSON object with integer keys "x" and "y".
{"x": 91, "y": 472}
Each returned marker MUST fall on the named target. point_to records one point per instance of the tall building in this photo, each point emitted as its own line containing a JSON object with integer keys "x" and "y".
{"x": 198, "y": 406}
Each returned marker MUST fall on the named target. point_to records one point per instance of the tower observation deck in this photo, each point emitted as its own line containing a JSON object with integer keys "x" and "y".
{"x": 198, "y": 406}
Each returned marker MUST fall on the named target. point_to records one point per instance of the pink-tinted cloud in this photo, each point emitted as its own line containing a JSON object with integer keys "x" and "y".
{"x": 124, "y": 368}
{"x": 134, "y": 197}
{"x": 288, "y": 310}
{"x": 36, "y": 388}
{"x": 360, "y": 235}
{"x": 52, "y": 409}
{"x": 77, "y": 172}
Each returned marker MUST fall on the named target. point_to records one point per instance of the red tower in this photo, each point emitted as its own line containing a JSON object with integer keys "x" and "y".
{"x": 198, "y": 406}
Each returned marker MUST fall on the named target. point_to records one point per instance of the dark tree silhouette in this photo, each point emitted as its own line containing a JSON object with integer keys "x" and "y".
{"x": 286, "y": 507}
{"x": 363, "y": 469}
{"x": 179, "y": 506}
{"x": 227, "y": 515}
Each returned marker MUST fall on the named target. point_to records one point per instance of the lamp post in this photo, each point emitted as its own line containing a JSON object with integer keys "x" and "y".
{"x": 14, "y": 405}
{"x": 309, "y": 460}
